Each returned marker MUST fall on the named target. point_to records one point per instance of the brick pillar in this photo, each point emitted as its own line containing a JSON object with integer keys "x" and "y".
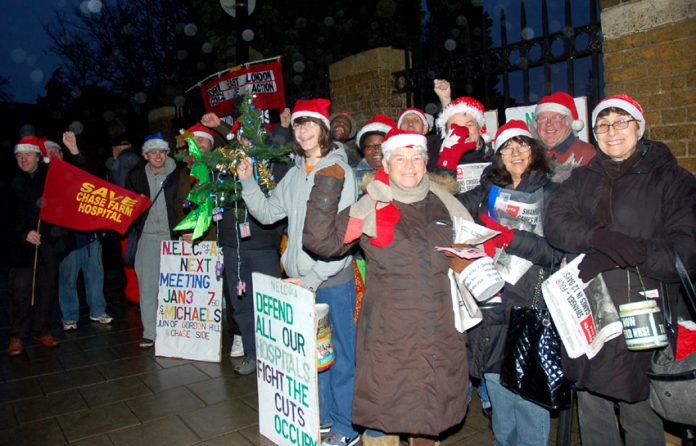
{"x": 362, "y": 84}
{"x": 650, "y": 53}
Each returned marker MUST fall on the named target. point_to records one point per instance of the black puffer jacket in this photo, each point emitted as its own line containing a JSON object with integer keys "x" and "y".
{"x": 486, "y": 341}
{"x": 654, "y": 201}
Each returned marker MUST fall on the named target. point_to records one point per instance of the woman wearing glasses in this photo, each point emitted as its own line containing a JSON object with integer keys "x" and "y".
{"x": 626, "y": 210}
{"x": 332, "y": 279}
{"x": 518, "y": 167}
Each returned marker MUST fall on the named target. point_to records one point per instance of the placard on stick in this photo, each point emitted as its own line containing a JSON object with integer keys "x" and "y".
{"x": 189, "y": 302}
{"x": 286, "y": 362}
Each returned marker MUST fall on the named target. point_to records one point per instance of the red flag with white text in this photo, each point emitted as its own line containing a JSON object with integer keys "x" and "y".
{"x": 75, "y": 199}
{"x": 262, "y": 79}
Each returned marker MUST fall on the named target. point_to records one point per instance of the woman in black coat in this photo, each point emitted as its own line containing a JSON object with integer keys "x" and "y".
{"x": 628, "y": 209}
{"x": 519, "y": 164}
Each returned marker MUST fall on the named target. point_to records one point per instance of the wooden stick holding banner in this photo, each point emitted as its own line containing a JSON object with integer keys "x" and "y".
{"x": 36, "y": 261}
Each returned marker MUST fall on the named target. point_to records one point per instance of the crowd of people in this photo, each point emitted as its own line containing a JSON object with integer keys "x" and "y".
{"x": 386, "y": 193}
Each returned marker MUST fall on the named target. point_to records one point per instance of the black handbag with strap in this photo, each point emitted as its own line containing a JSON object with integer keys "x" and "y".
{"x": 532, "y": 363}
{"x": 673, "y": 382}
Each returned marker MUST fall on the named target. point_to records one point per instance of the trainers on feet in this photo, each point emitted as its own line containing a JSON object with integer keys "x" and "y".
{"x": 146, "y": 343}
{"x": 325, "y": 428}
{"x": 103, "y": 319}
{"x": 336, "y": 440}
{"x": 237, "y": 347}
{"x": 247, "y": 367}
{"x": 69, "y": 325}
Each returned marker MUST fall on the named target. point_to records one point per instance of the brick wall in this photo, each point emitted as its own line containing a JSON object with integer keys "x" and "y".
{"x": 362, "y": 84}
{"x": 650, "y": 53}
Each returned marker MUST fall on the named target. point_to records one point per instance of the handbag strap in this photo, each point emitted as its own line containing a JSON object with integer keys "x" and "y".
{"x": 686, "y": 281}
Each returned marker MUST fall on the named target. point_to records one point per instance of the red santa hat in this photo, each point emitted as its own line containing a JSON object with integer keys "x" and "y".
{"x": 464, "y": 104}
{"x": 396, "y": 138}
{"x": 379, "y": 124}
{"x": 202, "y": 131}
{"x": 415, "y": 111}
{"x": 624, "y": 102}
{"x": 349, "y": 116}
{"x": 511, "y": 129}
{"x": 562, "y": 103}
{"x": 32, "y": 143}
{"x": 312, "y": 108}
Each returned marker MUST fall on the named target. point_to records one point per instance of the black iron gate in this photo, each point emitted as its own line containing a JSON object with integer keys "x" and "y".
{"x": 517, "y": 73}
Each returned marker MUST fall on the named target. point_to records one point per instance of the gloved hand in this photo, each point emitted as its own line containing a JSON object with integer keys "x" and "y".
{"x": 499, "y": 241}
{"x": 593, "y": 264}
{"x": 622, "y": 249}
{"x": 454, "y": 146}
{"x": 328, "y": 183}
{"x": 456, "y": 263}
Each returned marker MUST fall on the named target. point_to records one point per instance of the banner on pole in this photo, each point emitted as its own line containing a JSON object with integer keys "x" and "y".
{"x": 189, "y": 303}
{"x": 75, "y": 199}
{"x": 264, "y": 80}
{"x": 286, "y": 361}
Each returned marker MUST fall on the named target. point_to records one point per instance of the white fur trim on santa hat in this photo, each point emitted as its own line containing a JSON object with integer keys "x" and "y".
{"x": 403, "y": 140}
{"x": 27, "y": 148}
{"x": 372, "y": 127}
{"x": 508, "y": 134}
{"x": 155, "y": 144}
{"x": 575, "y": 124}
{"x": 623, "y": 105}
{"x": 310, "y": 114}
{"x": 416, "y": 112}
{"x": 455, "y": 108}
{"x": 205, "y": 135}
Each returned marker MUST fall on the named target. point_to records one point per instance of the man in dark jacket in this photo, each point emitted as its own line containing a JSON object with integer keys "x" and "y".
{"x": 36, "y": 251}
{"x": 160, "y": 172}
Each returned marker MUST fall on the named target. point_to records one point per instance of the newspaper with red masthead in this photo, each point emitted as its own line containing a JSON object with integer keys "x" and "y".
{"x": 584, "y": 313}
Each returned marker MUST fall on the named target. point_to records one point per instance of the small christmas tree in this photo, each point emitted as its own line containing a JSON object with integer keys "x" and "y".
{"x": 216, "y": 186}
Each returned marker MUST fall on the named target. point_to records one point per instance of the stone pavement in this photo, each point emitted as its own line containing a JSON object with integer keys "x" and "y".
{"x": 99, "y": 388}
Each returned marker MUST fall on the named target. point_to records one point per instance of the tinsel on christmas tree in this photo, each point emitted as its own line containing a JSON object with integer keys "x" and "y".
{"x": 216, "y": 186}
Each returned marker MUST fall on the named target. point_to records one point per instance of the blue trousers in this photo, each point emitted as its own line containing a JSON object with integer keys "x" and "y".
{"x": 516, "y": 421}
{"x": 336, "y": 384}
{"x": 89, "y": 260}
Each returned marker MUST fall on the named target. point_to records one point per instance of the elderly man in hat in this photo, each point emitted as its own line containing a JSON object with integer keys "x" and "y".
{"x": 556, "y": 120}
{"x": 36, "y": 248}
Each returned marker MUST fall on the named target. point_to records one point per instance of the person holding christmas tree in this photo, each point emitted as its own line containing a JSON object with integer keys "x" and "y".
{"x": 331, "y": 279}
{"x": 248, "y": 246}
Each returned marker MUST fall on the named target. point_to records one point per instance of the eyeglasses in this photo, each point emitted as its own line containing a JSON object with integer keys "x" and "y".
{"x": 306, "y": 124}
{"x": 555, "y": 119}
{"x": 508, "y": 149}
{"x": 372, "y": 146}
{"x": 617, "y": 125}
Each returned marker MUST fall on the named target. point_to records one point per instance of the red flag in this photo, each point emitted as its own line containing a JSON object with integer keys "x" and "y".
{"x": 74, "y": 199}
{"x": 264, "y": 80}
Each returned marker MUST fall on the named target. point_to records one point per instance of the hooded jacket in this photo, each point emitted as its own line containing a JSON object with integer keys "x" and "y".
{"x": 289, "y": 199}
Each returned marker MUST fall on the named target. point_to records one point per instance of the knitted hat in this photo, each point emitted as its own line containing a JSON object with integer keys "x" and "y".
{"x": 415, "y": 111}
{"x": 396, "y": 138}
{"x": 312, "y": 108}
{"x": 464, "y": 104}
{"x": 199, "y": 129}
{"x": 380, "y": 124}
{"x": 349, "y": 117}
{"x": 120, "y": 140}
{"x": 562, "y": 103}
{"x": 48, "y": 143}
{"x": 32, "y": 143}
{"x": 155, "y": 142}
{"x": 511, "y": 129}
{"x": 624, "y": 102}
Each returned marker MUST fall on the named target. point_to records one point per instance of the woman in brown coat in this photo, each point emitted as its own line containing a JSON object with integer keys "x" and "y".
{"x": 411, "y": 365}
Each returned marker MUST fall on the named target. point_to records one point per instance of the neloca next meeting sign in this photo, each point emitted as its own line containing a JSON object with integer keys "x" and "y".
{"x": 286, "y": 362}
{"x": 189, "y": 302}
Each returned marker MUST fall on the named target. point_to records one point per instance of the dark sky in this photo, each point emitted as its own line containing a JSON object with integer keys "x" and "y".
{"x": 24, "y": 55}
